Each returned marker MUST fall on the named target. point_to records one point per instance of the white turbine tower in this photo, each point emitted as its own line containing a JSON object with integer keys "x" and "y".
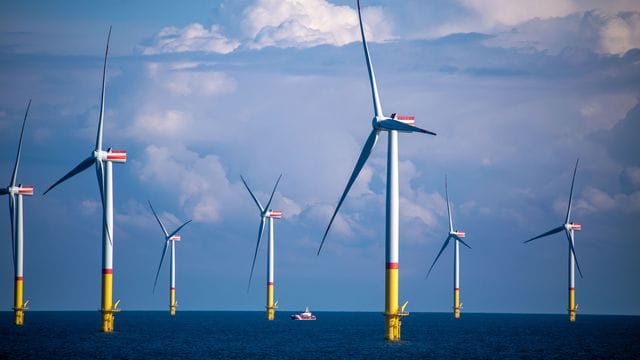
{"x": 392, "y": 125}
{"x": 173, "y": 237}
{"x": 103, "y": 160}
{"x": 17, "y": 241}
{"x": 266, "y": 213}
{"x": 569, "y": 229}
{"x": 457, "y": 236}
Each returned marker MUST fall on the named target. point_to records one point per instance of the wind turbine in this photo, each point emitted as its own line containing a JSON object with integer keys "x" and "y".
{"x": 392, "y": 125}
{"x": 17, "y": 242}
{"x": 103, "y": 160}
{"x": 266, "y": 213}
{"x": 457, "y": 236}
{"x": 173, "y": 237}
{"x": 569, "y": 228}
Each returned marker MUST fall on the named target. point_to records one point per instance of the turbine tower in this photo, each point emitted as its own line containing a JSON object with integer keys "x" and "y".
{"x": 266, "y": 213}
{"x": 392, "y": 125}
{"x": 457, "y": 236}
{"x": 17, "y": 241}
{"x": 103, "y": 161}
{"x": 173, "y": 237}
{"x": 569, "y": 229}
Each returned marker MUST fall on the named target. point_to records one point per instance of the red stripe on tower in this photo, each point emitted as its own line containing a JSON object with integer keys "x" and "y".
{"x": 392, "y": 265}
{"x": 19, "y": 278}
{"x": 107, "y": 271}
{"x": 269, "y": 282}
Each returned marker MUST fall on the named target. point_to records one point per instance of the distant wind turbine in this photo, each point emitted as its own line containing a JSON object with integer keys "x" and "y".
{"x": 569, "y": 229}
{"x": 17, "y": 241}
{"x": 173, "y": 237}
{"x": 457, "y": 236}
{"x": 103, "y": 160}
{"x": 392, "y": 125}
{"x": 266, "y": 213}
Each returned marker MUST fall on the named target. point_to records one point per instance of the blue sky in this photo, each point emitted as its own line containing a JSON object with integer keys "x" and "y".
{"x": 200, "y": 94}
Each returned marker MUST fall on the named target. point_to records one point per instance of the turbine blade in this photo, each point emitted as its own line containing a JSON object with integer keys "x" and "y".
{"x": 573, "y": 251}
{"x": 251, "y": 193}
{"x": 104, "y": 72}
{"x": 273, "y": 192}
{"x": 179, "y": 228}
{"x": 100, "y": 176}
{"x": 550, "y": 232}
{"x": 255, "y": 254}
{"x": 391, "y": 124}
{"x": 164, "y": 230}
{"x": 17, "y": 163}
{"x": 84, "y": 165}
{"x": 566, "y": 219}
{"x": 446, "y": 194}
{"x": 462, "y": 241}
{"x": 377, "y": 108}
{"x": 446, "y": 242}
{"x": 12, "y": 214}
{"x": 164, "y": 250}
{"x": 364, "y": 155}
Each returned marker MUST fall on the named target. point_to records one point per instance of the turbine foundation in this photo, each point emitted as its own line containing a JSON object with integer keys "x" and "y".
{"x": 573, "y": 308}
{"x": 172, "y": 301}
{"x": 271, "y": 310}
{"x": 18, "y": 308}
{"x": 456, "y": 303}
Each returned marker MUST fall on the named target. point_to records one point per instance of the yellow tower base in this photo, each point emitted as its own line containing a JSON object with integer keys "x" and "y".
{"x": 18, "y": 307}
{"x": 107, "y": 305}
{"x": 573, "y": 308}
{"x": 393, "y": 314}
{"x": 172, "y": 301}
{"x": 271, "y": 310}
{"x": 456, "y": 303}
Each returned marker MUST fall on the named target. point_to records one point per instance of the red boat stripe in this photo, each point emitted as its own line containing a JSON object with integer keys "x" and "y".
{"x": 107, "y": 271}
{"x": 392, "y": 265}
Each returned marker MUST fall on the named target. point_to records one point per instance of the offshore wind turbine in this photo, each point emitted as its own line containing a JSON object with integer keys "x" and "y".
{"x": 456, "y": 235}
{"x": 103, "y": 161}
{"x": 266, "y": 213}
{"x": 569, "y": 229}
{"x": 173, "y": 237}
{"x": 17, "y": 234}
{"x": 392, "y": 125}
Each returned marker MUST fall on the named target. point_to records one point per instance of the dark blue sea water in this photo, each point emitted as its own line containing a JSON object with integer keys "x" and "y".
{"x": 335, "y": 335}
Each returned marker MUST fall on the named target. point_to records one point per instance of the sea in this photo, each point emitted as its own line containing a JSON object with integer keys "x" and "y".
{"x": 334, "y": 335}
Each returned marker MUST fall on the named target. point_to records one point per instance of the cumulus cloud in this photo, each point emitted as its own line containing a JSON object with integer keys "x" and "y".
{"x": 511, "y": 12}
{"x": 593, "y": 200}
{"x": 191, "y": 38}
{"x": 307, "y": 23}
{"x": 183, "y": 78}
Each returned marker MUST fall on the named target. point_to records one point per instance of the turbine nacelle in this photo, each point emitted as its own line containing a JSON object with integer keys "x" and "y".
{"x": 572, "y": 226}
{"x": 20, "y": 190}
{"x": 459, "y": 234}
{"x": 116, "y": 156}
{"x": 175, "y": 238}
{"x": 275, "y": 214}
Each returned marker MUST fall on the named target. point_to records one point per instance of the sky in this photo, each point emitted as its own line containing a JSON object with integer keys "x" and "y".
{"x": 200, "y": 94}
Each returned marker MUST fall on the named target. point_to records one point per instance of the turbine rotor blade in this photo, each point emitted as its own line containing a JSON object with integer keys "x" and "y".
{"x": 179, "y": 228}
{"x": 462, "y": 241}
{"x": 391, "y": 124}
{"x": 13, "y": 238}
{"x": 164, "y": 230}
{"x": 364, "y": 155}
{"x": 573, "y": 251}
{"x": 446, "y": 242}
{"x": 566, "y": 219}
{"x": 255, "y": 254}
{"x": 550, "y": 232}
{"x": 104, "y": 72}
{"x": 273, "y": 192}
{"x": 252, "y": 196}
{"x": 17, "y": 163}
{"x": 446, "y": 194}
{"x": 84, "y": 165}
{"x": 100, "y": 176}
{"x": 166, "y": 245}
{"x": 377, "y": 108}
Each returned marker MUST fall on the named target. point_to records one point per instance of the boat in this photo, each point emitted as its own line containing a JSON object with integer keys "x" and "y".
{"x": 306, "y": 315}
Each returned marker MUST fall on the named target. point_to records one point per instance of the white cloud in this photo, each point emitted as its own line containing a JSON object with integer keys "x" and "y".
{"x": 307, "y": 23}
{"x": 621, "y": 33}
{"x": 594, "y": 200}
{"x": 511, "y": 12}
{"x": 191, "y": 38}
{"x": 182, "y": 79}
{"x": 89, "y": 207}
